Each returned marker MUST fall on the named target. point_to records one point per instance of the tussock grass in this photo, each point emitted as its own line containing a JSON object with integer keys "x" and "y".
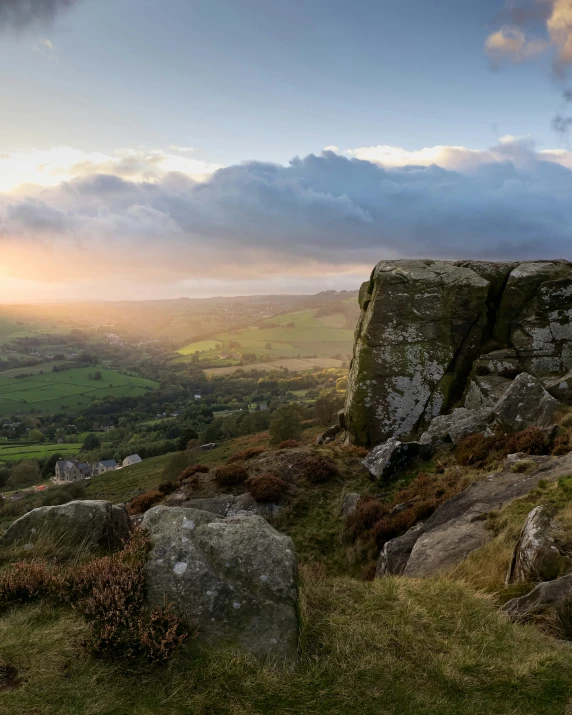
{"x": 393, "y": 647}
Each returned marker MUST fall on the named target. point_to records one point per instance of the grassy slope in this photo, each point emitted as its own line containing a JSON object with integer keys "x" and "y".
{"x": 14, "y": 452}
{"x": 391, "y": 647}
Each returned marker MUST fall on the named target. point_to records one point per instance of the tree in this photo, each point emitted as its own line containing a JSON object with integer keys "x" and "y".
{"x": 49, "y": 466}
{"x": 36, "y": 436}
{"x": 187, "y": 435}
{"x": 286, "y": 423}
{"x": 24, "y": 474}
{"x": 90, "y": 442}
{"x": 326, "y": 406}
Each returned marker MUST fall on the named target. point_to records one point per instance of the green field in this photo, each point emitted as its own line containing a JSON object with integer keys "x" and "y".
{"x": 14, "y": 451}
{"x": 11, "y": 329}
{"x": 69, "y": 390}
{"x": 201, "y": 346}
{"x": 322, "y": 336}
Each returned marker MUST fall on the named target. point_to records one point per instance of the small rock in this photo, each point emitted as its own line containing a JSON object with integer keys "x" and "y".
{"x": 329, "y": 435}
{"x": 385, "y": 460}
{"x": 454, "y": 427}
{"x": 234, "y": 578}
{"x": 349, "y": 503}
{"x": 536, "y": 557}
{"x": 549, "y": 593}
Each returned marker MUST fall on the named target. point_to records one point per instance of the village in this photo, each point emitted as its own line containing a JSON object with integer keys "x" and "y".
{"x": 70, "y": 470}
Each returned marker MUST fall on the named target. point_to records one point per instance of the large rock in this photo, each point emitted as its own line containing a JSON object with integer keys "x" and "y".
{"x": 536, "y": 556}
{"x": 387, "y": 459}
{"x": 457, "y": 527}
{"x": 423, "y": 323}
{"x": 542, "y": 597}
{"x": 93, "y": 524}
{"x": 235, "y": 578}
{"x": 526, "y": 403}
{"x": 420, "y": 328}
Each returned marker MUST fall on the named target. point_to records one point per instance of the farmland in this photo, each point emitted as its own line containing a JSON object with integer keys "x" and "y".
{"x": 292, "y": 364}
{"x": 68, "y": 390}
{"x": 16, "y": 451}
{"x": 299, "y": 334}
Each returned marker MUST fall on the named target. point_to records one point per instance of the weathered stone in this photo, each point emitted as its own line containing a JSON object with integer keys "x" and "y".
{"x": 349, "y": 503}
{"x": 485, "y": 391}
{"x": 93, "y": 524}
{"x": 542, "y": 597}
{"x": 499, "y": 362}
{"x": 561, "y": 388}
{"x": 452, "y": 428}
{"x": 526, "y": 403}
{"x": 458, "y": 524}
{"x": 536, "y": 556}
{"x": 420, "y": 321}
{"x": 235, "y": 578}
{"x": 387, "y": 459}
{"x": 329, "y": 435}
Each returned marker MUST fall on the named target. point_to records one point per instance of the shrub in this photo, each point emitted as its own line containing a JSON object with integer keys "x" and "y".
{"x": 482, "y": 370}
{"x": 191, "y": 471}
{"x": 473, "y": 450}
{"x": 266, "y": 487}
{"x": 245, "y": 454}
{"x": 167, "y": 487}
{"x": 367, "y": 513}
{"x": 286, "y": 423}
{"x": 288, "y": 444}
{"x": 24, "y": 582}
{"x": 531, "y": 441}
{"x": 561, "y": 445}
{"x": 140, "y": 504}
{"x": 319, "y": 469}
{"x": 230, "y": 475}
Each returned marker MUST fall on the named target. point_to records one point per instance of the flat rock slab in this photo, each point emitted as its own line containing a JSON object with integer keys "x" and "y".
{"x": 231, "y": 505}
{"x": 235, "y": 578}
{"x": 91, "y": 523}
{"x": 457, "y": 527}
{"x": 454, "y": 427}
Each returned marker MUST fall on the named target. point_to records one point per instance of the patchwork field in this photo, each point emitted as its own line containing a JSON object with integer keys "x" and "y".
{"x": 291, "y": 335}
{"x": 66, "y": 390}
{"x": 293, "y": 364}
{"x": 14, "y": 451}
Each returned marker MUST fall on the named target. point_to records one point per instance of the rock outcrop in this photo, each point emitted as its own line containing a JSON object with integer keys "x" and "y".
{"x": 421, "y": 338}
{"x": 235, "y": 578}
{"x": 536, "y": 556}
{"x": 93, "y": 524}
{"x": 526, "y": 403}
{"x": 458, "y": 526}
{"x": 388, "y": 458}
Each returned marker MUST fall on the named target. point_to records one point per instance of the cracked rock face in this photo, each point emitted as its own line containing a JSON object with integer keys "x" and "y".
{"x": 424, "y": 323}
{"x": 234, "y": 578}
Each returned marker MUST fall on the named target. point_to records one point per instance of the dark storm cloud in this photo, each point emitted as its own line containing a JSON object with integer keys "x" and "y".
{"x": 19, "y": 14}
{"x": 266, "y": 219}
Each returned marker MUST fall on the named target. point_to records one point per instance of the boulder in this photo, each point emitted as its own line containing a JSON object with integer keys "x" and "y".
{"x": 420, "y": 328}
{"x": 561, "y": 388}
{"x": 536, "y": 556}
{"x": 457, "y": 527}
{"x": 542, "y": 597}
{"x": 525, "y": 404}
{"x": 93, "y": 524}
{"x": 235, "y": 578}
{"x": 349, "y": 503}
{"x": 387, "y": 459}
{"x": 452, "y": 428}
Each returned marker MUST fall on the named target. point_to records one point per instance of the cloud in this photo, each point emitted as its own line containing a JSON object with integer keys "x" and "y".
{"x": 20, "y": 14}
{"x": 510, "y": 43}
{"x": 320, "y": 215}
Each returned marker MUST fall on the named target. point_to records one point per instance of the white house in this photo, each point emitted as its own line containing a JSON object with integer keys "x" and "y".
{"x": 69, "y": 470}
{"x": 131, "y": 459}
{"x": 104, "y": 465}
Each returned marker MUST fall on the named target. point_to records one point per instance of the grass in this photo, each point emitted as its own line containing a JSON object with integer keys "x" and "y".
{"x": 200, "y": 346}
{"x": 69, "y": 389}
{"x": 292, "y": 364}
{"x": 393, "y": 646}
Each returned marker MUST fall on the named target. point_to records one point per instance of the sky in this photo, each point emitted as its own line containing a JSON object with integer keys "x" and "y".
{"x": 158, "y": 149}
